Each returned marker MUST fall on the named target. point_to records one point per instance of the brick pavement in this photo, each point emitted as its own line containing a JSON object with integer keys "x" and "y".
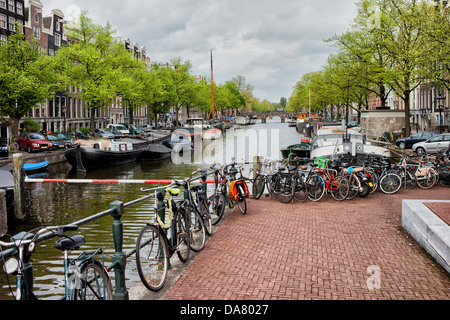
{"x": 441, "y": 209}
{"x": 324, "y": 250}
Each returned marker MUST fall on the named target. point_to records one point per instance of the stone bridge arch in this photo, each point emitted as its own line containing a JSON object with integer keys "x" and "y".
{"x": 270, "y": 115}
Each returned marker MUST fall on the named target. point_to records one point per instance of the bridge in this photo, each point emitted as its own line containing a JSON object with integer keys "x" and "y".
{"x": 270, "y": 115}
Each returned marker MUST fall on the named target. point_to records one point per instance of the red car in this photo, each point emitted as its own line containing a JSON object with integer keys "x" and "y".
{"x": 33, "y": 142}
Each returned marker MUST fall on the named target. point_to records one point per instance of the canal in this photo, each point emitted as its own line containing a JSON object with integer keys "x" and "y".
{"x": 58, "y": 204}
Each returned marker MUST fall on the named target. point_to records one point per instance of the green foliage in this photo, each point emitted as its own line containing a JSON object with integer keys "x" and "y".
{"x": 27, "y": 78}
{"x": 30, "y": 125}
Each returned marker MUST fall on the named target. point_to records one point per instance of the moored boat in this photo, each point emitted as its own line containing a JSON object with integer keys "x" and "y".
{"x": 301, "y": 150}
{"x": 35, "y": 167}
{"x": 331, "y": 141}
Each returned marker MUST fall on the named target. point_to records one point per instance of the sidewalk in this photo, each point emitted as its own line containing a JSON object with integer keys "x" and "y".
{"x": 326, "y": 250}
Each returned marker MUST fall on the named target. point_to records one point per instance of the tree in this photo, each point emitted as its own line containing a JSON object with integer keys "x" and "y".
{"x": 27, "y": 78}
{"x": 403, "y": 25}
{"x": 94, "y": 62}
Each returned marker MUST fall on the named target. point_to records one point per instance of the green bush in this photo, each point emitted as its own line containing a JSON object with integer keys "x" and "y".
{"x": 31, "y": 126}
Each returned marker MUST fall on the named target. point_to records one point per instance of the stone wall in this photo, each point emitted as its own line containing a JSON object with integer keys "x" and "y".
{"x": 375, "y": 123}
{"x": 3, "y": 213}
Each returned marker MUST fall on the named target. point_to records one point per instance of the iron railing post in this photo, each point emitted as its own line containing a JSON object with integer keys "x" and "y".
{"x": 119, "y": 258}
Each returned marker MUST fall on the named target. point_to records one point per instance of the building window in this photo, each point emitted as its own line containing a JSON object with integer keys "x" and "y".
{"x": 2, "y": 21}
{"x": 51, "y": 53}
{"x": 36, "y": 32}
{"x": 19, "y": 8}
{"x": 57, "y": 39}
{"x": 36, "y": 17}
{"x": 11, "y": 5}
{"x": 3, "y": 4}
{"x": 12, "y": 26}
{"x": 3, "y": 39}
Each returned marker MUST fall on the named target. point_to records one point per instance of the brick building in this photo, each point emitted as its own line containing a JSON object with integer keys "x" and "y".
{"x": 11, "y": 11}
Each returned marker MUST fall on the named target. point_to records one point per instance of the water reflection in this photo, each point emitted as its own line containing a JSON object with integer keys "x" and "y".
{"x": 57, "y": 204}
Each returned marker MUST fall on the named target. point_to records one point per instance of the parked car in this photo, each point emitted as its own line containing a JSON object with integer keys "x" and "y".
{"x": 103, "y": 133}
{"x": 57, "y": 142}
{"x": 146, "y": 127}
{"x": 3, "y": 149}
{"x": 68, "y": 139}
{"x": 123, "y": 130}
{"x": 408, "y": 142}
{"x": 33, "y": 142}
{"x": 433, "y": 145}
{"x": 130, "y": 126}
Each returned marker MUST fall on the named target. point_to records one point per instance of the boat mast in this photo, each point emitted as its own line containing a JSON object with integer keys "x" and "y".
{"x": 212, "y": 89}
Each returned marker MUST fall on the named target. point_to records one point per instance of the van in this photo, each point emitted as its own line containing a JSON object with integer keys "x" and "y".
{"x": 122, "y": 129}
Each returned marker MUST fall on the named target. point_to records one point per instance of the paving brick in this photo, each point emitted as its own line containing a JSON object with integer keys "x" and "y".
{"x": 324, "y": 250}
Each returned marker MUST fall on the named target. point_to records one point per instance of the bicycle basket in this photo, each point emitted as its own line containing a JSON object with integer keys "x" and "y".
{"x": 321, "y": 162}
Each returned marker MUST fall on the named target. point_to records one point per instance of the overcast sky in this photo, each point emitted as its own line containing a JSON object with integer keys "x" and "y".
{"x": 272, "y": 43}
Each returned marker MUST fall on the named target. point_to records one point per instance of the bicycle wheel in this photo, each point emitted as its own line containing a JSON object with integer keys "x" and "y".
{"x": 152, "y": 257}
{"x": 316, "y": 187}
{"x": 301, "y": 189}
{"x": 183, "y": 236}
{"x": 95, "y": 282}
{"x": 206, "y": 216}
{"x": 242, "y": 202}
{"x": 353, "y": 184}
{"x": 258, "y": 187}
{"x": 410, "y": 180}
{"x": 285, "y": 187}
{"x": 198, "y": 231}
{"x": 390, "y": 183}
{"x": 427, "y": 180}
{"x": 341, "y": 191}
{"x": 365, "y": 189}
{"x": 373, "y": 178}
{"x": 216, "y": 207}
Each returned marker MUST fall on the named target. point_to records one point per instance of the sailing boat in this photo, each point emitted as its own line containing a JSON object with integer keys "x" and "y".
{"x": 306, "y": 120}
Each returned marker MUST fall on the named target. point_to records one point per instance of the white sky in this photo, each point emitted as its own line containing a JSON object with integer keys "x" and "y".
{"x": 272, "y": 43}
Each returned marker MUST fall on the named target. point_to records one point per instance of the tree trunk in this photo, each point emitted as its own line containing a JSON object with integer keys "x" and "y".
{"x": 93, "y": 119}
{"x": 131, "y": 115}
{"x": 15, "y": 133}
{"x": 407, "y": 113}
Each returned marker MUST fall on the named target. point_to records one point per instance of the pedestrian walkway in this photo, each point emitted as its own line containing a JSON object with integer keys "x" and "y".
{"x": 325, "y": 250}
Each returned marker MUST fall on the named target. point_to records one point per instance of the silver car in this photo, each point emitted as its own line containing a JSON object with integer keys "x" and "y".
{"x": 432, "y": 145}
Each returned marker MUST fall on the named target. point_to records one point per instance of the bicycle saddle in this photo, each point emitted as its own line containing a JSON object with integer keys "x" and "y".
{"x": 233, "y": 170}
{"x": 196, "y": 188}
{"x": 70, "y": 243}
{"x": 174, "y": 192}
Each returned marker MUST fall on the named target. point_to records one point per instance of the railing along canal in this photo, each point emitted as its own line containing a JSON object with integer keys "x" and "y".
{"x": 116, "y": 211}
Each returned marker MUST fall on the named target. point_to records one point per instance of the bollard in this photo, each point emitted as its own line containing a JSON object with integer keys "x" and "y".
{"x": 19, "y": 188}
{"x": 119, "y": 258}
{"x": 257, "y": 165}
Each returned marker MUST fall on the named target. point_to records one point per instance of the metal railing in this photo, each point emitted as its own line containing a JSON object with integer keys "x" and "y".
{"x": 116, "y": 211}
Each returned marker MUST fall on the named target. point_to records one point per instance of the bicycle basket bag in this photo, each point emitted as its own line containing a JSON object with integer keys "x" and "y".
{"x": 233, "y": 190}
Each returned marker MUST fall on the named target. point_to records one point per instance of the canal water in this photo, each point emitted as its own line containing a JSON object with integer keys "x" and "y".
{"x": 59, "y": 204}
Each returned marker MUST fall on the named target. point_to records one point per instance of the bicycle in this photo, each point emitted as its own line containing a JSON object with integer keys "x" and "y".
{"x": 87, "y": 280}
{"x": 195, "y": 211}
{"x": 154, "y": 245}
{"x": 216, "y": 201}
{"x": 389, "y": 181}
{"x": 334, "y": 183}
{"x": 238, "y": 190}
{"x": 284, "y": 186}
{"x": 264, "y": 179}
